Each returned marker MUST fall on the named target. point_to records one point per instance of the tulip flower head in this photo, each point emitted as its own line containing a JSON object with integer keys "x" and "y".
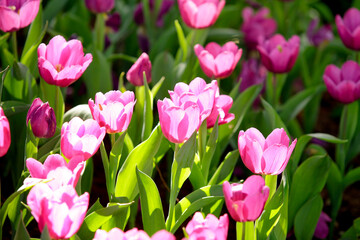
{"x": 42, "y": 119}
{"x": 100, "y": 6}
{"x": 133, "y": 234}
{"x": 343, "y": 84}
{"x": 200, "y": 14}
{"x": 252, "y": 73}
{"x": 17, "y": 14}
{"x": 61, "y": 210}
{"x": 135, "y": 73}
{"x": 245, "y": 201}
{"x": 322, "y": 229}
{"x": 61, "y": 63}
{"x": 217, "y": 61}
{"x": 220, "y": 111}
{"x": 113, "y": 110}
{"x": 316, "y": 35}
{"x": 349, "y": 28}
{"x": 265, "y": 156}
{"x": 5, "y": 136}
{"x": 81, "y": 139}
{"x": 279, "y": 55}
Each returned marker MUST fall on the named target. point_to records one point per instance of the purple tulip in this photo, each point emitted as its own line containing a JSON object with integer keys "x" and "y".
{"x": 5, "y": 136}
{"x": 349, "y": 28}
{"x": 135, "y": 73}
{"x": 322, "y": 229}
{"x": 113, "y": 21}
{"x": 320, "y": 35}
{"x": 100, "y": 6}
{"x": 252, "y": 73}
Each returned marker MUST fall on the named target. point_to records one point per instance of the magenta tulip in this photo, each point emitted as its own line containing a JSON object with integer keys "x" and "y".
{"x": 197, "y": 92}
{"x": 113, "y": 110}
{"x": 343, "y": 84}
{"x": 100, "y": 6}
{"x": 42, "y": 119}
{"x": 209, "y": 228}
{"x": 349, "y": 28}
{"x": 200, "y": 14}
{"x": 135, "y": 75}
{"x": 178, "y": 123}
{"x": 265, "y": 156}
{"x": 220, "y": 111}
{"x": 322, "y": 229}
{"x": 257, "y": 27}
{"x": 56, "y": 169}
{"x": 245, "y": 202}
{"x": 217, "y": 61}
{"x": 17, "y": 14}
{"x": 252, "y": 73}
{"x": 61, "y": 210}
{"x": 81, "y": 139}
{"x": 5, "y": 136}
{"x": 133, "y": 234}
{"x": 316, "y": 35}
{"x": 279, "y": 55}
{"x": 61, "y": 63}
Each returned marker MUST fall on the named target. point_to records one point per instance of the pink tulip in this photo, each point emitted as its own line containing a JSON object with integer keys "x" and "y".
{"x": 279, "y": 55}
{"x": 210, "y": 228}
{"x": 343, "y": 84}
{"x": 257, "y": 27}
{"x": 61, "y": 63}
{"x": 349, "y": 28}
{"x": 245, "y": 202}
{"x": 200, "y": 14}
{"x": 133, "y": 234}
{"x": 197, "y": 92}
{"x": 5, "y": 136}
{"x": 17, "y": 14}
{"x": 217, "y": 61}
{"x": 322, "y": 229}
{"x": 135, "y": 73}
{"x": 265, "y": 156}
{"x": 220, "y": 111}
{"x": 42, "y": 119}
{"x": 178, "y": 123}
{"x": 316, "y": 35}
{"x": 100, "y": 6}
{"x": 61, "y": 210}
{"x": 113, "y": 110}
{"x": 56, "y": 168}
{"x": 80, "y": 138}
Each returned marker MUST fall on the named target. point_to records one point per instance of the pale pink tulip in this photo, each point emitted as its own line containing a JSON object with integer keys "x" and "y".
{"x": 265, "y": 156}
{"x": 56, "y": 169}
{"x": 217, "y": 61}
{"x": 5, "y": 136}
{"x": 210, "y": 228}
{"x": 61, "y": 210}
{"x": 17, "y": 14}
{"x": 246, "y": 201}
{"x": 61, "y": 63}
{"x": 220, "y": 111}
{"x": 200, "y": 14}
{"x": 135, "y": 75}
{"x": 133, "y": 234}
{"x": 349, "y": 28}
{"x": 81, "y": 139}
{"x": 113, "y": 110}
{"x": 100, "y": 6}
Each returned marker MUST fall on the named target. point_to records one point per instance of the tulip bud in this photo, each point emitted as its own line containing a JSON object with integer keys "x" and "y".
{"x": 135, "y": 73}
{"x": 5, "y": 136}
{"x": 42, "y": 119}
{"x": 100, "y": 6}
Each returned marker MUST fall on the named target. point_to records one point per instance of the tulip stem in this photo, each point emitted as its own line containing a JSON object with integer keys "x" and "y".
{"x": 100, "y": 31}
{"x": 112, "y": 138}
{"x": 274, "y": 90}
{"x": 271, "y": 182}
{"x": 14, "y": 45}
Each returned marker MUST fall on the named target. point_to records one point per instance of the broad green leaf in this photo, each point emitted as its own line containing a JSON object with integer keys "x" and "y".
{"x": 224, "y": 34}
{"x": 53, "y": 7}
{"x": 353, "y": 233}
{"x": 14, "y": 107}
{"x": 87, "y": 176}
{"x": 224, "y": 171}
{"x": 327, "y": 138}
{"x": 246, "y": 230}
{"x": 352, "y": 176}
{"x": 53, "y": 95}
{"x": 301, "y": 144}
{"x": 118, "y": 219}
{"x": 142, "y": 158}
{"x": 275, "y": 119}
{"x": 196, "y": 177}
{"x": 34, "y": 32}
{"x": 82, "y": 111}
{"x": 182, "y": 40}
{"x": 335, "y": 188}
{"x": 307, "y": 218}
{"x": 3, "y": 75}
{"x": 115, "y": 156}
{"x": 157, "y": 86}
{"x": 151, "y": 208}
{"x": 50, "y": 147}
{"x": 148, "y": 111}
{"x": 3, "y": 38}
{"x": 21, "y": 232}
{"x": 45, "y": 235}
{"x": 209, "y": 150}
{"x": 31, "y": 143}
{"x": 163, "y": 66}
{"x": 105, "y": 161}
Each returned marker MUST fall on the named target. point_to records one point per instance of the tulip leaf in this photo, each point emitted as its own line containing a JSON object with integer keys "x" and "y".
{"x": 34, "y": 32}
{"x": 246, "y": 229}
{"x": 3, "y": 75}
{"x": 182, "y": 40}
{"x": 142, "y": 157}
{"x": 226, "y": 168}
{"x": 21, "y": 232}
{"x": 45, "y": 235}
{"x": 157, "y": 86}
{"x": 335, "y": 186}
{"x": 151, "y": 208}
{"x": 3, "y": 38}
{"x": 82, "y": 111}
{"x": 196, "y": 177}
{"x": 148, "y": 111}
{"x": 274, "y": 118}
{"x": 115, "y": 156}
{"x": 53, "y": 7}
{"x": 307, "y": 218}
{"x": 50, "y": 147}
{"x": 31, "y": 143}
{"x": 352, "y": 176}
{"x": 327, "y": 138}
{"x": 14, "y": 107}
{"x": 163, "y": 66}
{"x": 53, "y": 95}
{"x": 209, "y": 149}
{"x": 297, "y": 153}
{"x": 354, "y": 231}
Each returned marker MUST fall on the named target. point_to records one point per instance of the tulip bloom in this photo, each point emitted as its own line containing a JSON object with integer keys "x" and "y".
{"x": 17, "y": 14}
{"x": 322, "y": 229}
{"x": 133, "y": 234}
{"x": 113, "y": 110}
{"x": 320, "y": 35}
{"x": 343, "y": 84}
{"x": 61, "y": 63}
{"x": 135, "y": 73}
{"x": 220, "y": 111}
{"x": 56, "y": 168}
{"x": 252, "y": 72}
{"x": 200, "y": 14}
{"x": 100, "y": 6}
{"x": 349, "y": 28}
{"x": 178, "y": 123}
{"x": 279, "y": 55}
{"x": 257, "y": 27}
{"x": 61, "y": 210}
{"x": 217, "y": 61}
{"x": 42, "y": 119}
{"x": 80, "y": 138}
{"x": 265, "y": 156}
{"x": 5, "y": 136}
{"x": 245, "y": 202}
{"x": 209, "y": 228}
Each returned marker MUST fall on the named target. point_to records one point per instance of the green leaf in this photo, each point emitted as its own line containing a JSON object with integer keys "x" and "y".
{"x": 82, "y": 111}
{"x": 151, "y": 208}
{"x": 307, "y": 218}
{"x": 352, "y": 176}
{"x": 163, "y": 66}
{"x": 148, "y": 111}
{"x": 353, "y": 233}
{"x": 196, "y": 177}
{"x": 224, "y": 171}
{"x": 209, "y": 149}
{"x": 53, "y": 95}
{"x": 53, "y": 7}
{"x": 3, "y": 75}
{"x": 115, "y": 156}
{"x": 34, "y": 32}
{"x": 298, "y": 151}
{"x": 14, "y": 107}
{"x": 31, "y": 144}
{"x": 99, "y": 38}
{"x": 157, "y": 86}
{"x": 275, "y": 119}
{"x": 3, "y": 38}
{"x": 182, "y": 40}
{"x": 21, "y": 232}
{"x": 45, "y": 235}
{"x": 142, "y": 157}
{"x": 327, "y": 138}
{"x": 335, "y": 188}
{"x": 245, "y": 229}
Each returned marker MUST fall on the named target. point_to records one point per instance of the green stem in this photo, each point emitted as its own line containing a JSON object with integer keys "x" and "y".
{"x": 100, "y": 31}
{"x": 274, "y": 90}
{"x": 271, "y": 182}
{"x": 243, "y": 232}
{"x": 173, "y": 190}
{"x": 14, "y": 45}
{"x": 112, "y": 138}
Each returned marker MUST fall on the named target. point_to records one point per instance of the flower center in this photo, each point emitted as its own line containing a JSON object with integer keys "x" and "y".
{"x": 279, "y": 47}
{"x": 100, "y": 107}
{"x": 59, "y": 67}
{"x": 12, "y": 8}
